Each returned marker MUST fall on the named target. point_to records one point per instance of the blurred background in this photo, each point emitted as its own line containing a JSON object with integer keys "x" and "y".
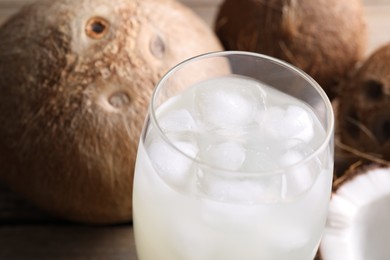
{"x": 377, "y": 12}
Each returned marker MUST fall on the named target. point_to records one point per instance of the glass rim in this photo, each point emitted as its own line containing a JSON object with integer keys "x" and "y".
{"x": 329, "y": 131}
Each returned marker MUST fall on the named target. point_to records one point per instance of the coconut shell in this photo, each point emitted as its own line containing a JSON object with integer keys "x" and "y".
{"x": 325, "y": 38}
{"x": 75, "y": 81}
{"x": 371, "y": 180}
{"x": 363, "y": 118}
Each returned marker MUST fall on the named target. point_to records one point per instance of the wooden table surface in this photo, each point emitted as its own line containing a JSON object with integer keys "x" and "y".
{"x": 27, "y": 233}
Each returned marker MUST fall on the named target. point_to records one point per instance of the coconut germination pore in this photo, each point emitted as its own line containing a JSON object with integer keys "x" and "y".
{"x": 229, "y": 172}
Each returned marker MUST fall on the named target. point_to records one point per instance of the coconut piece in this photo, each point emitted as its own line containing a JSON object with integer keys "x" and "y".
{"x": 325, "y": 38}
{"x": 363, "y": 118}
{"x": 75, "y": 82}
{"x": 358, "y": 226}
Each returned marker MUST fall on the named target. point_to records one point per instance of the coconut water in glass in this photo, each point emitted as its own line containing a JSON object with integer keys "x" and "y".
{"x": 235, "y": 162}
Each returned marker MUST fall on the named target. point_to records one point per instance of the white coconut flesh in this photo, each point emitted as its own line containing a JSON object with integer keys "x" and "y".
{"x": 358, "y": 225}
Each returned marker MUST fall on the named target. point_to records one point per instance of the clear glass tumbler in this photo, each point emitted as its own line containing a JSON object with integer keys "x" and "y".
{"x": 235, "y": 161}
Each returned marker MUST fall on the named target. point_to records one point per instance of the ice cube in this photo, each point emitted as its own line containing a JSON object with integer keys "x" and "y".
{"x": 229, "y": 102}
{"x": 228, "y": 155}
{"x": 173, "y": 165}
{"x": 259, "y": 160}
{"x": 177, "y": 121}
{"x": 294, "y": 122}
{"x": 301, "y": 123}
{"x": 298, "y": 178}
{"x": 239, "y": 187}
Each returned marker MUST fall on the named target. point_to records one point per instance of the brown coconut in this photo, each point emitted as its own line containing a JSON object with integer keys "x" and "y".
{"x": 75, "y": 82}
{"x": 363, "y": 116}
{"x": 325, "y": 38}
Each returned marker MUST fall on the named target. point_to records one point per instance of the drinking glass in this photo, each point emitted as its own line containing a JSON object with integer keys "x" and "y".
{"x": 235, "y": 162}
